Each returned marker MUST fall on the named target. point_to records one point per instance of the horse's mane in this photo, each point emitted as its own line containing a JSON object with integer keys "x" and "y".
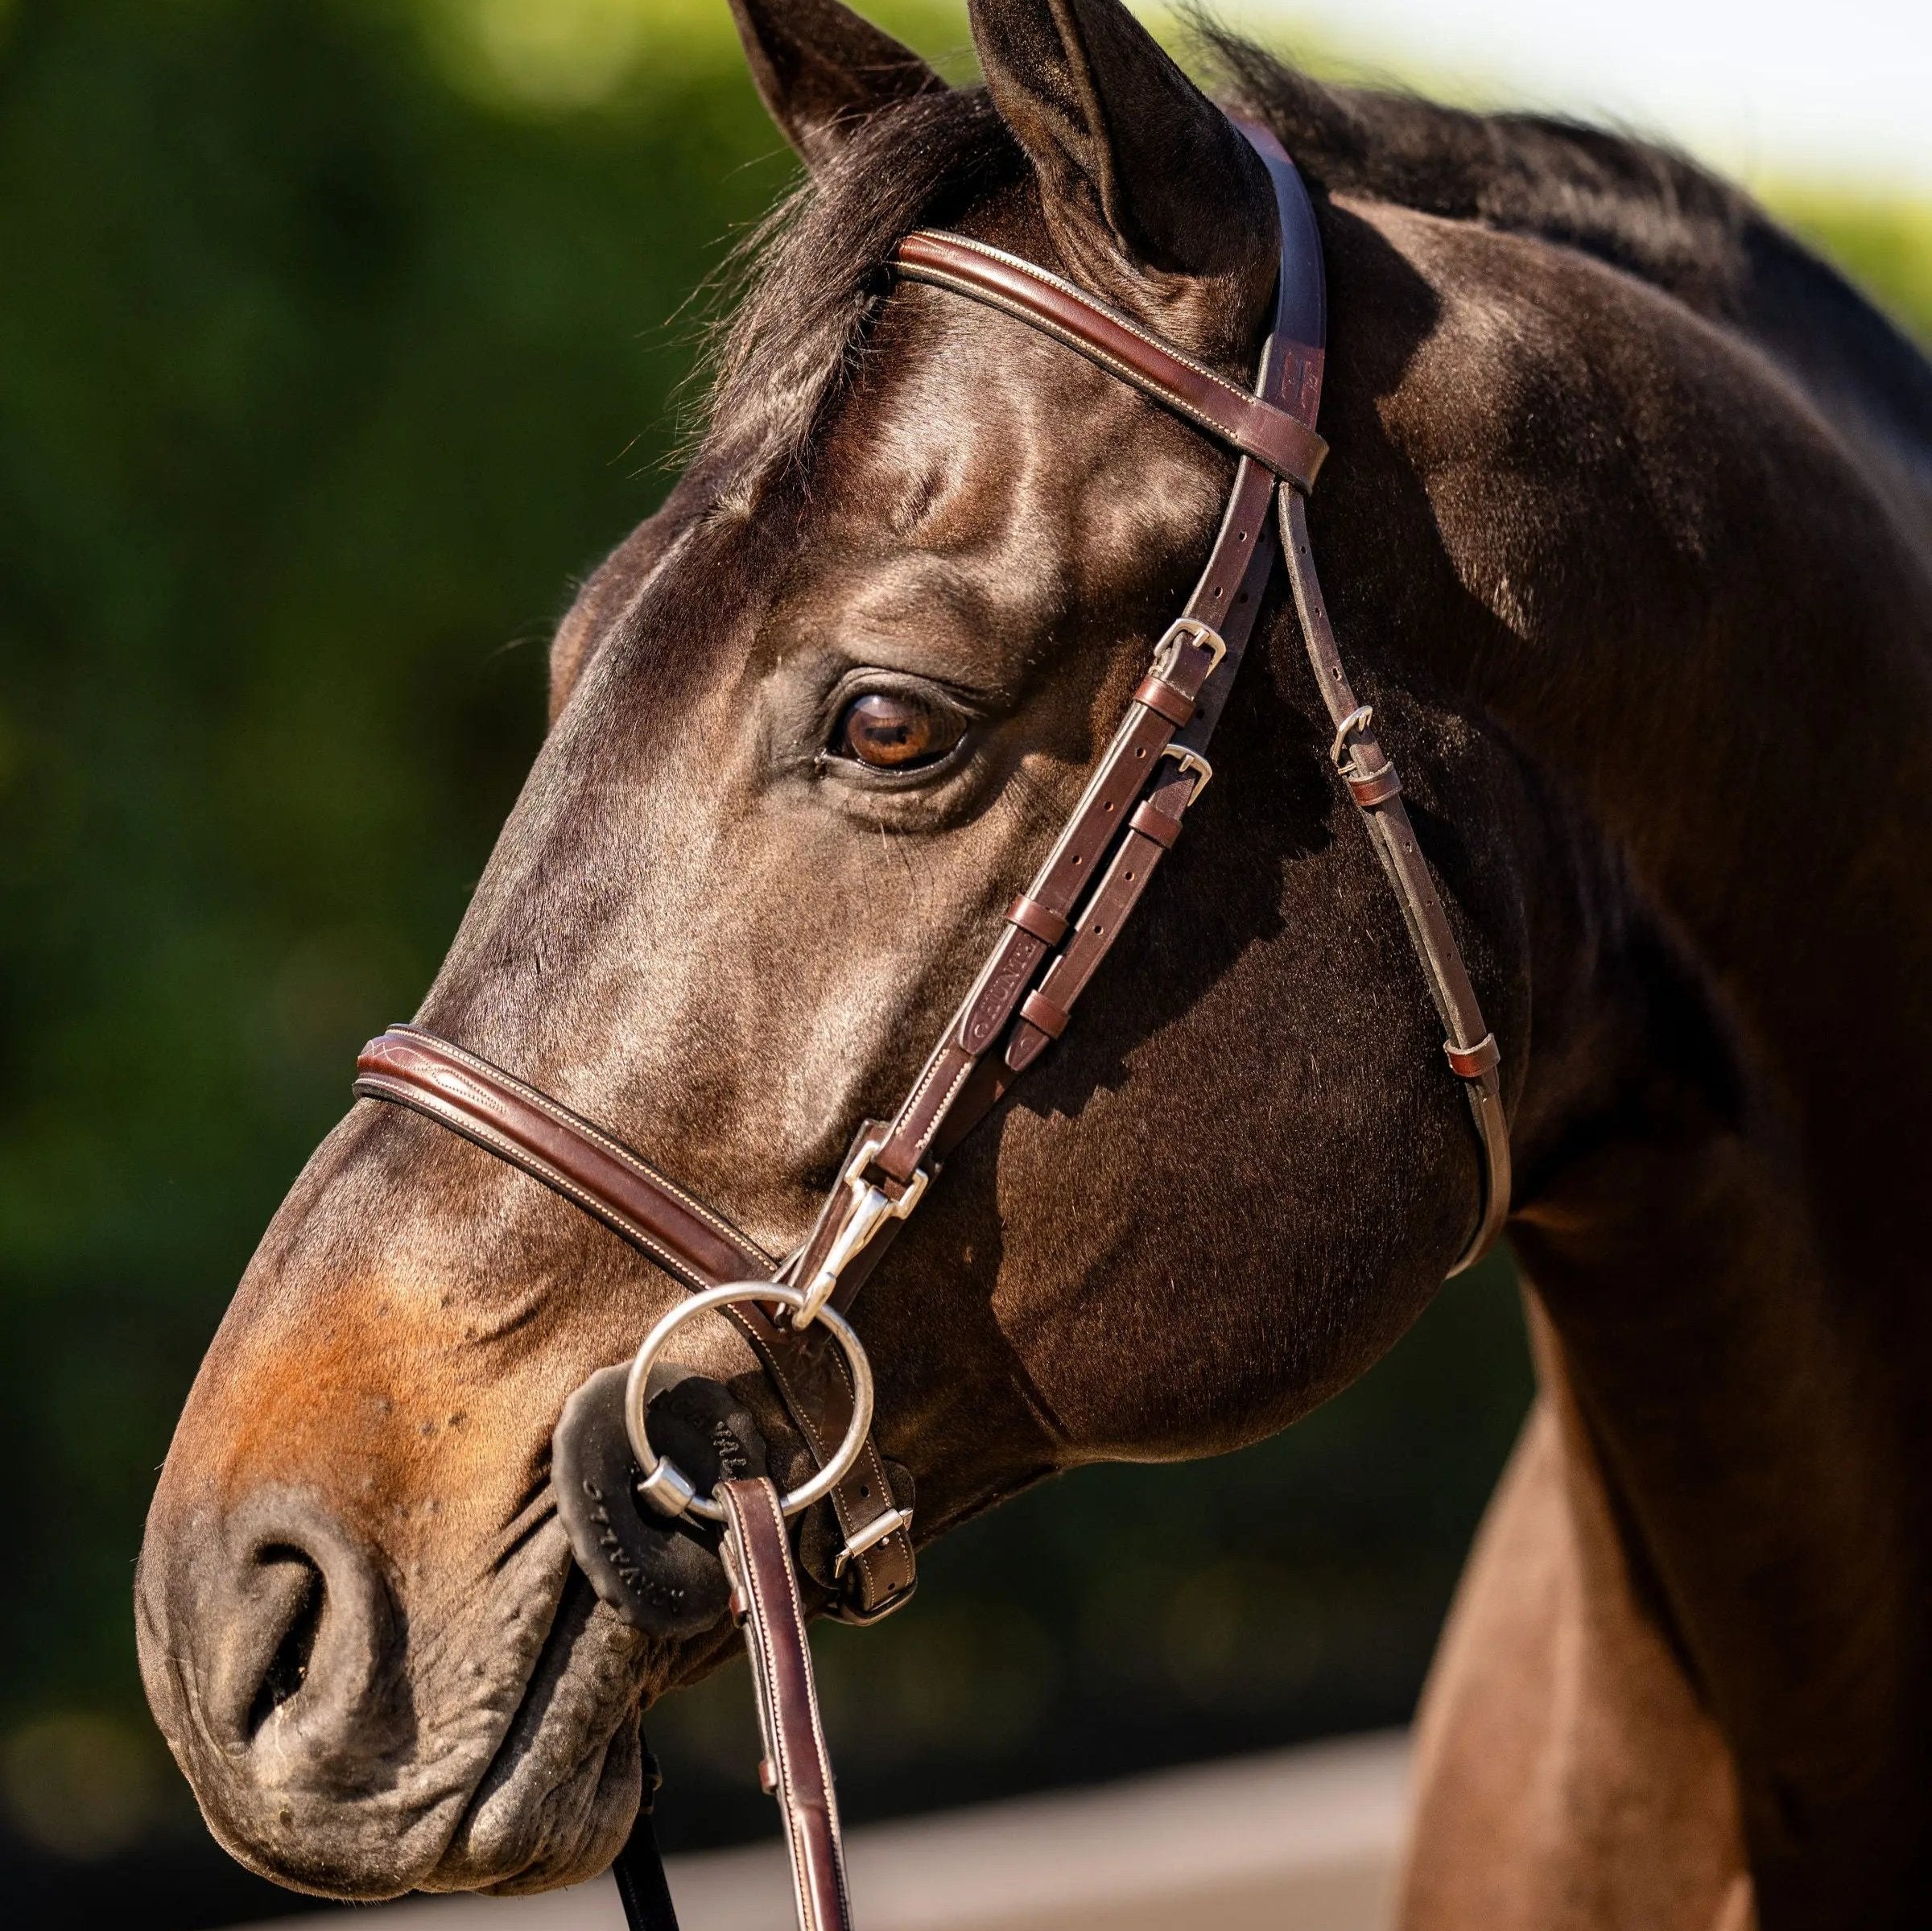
{"x": 814, "y": 272}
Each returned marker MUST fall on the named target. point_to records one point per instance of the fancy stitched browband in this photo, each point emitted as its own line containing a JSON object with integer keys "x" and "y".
{"x": 1128, "y": 817}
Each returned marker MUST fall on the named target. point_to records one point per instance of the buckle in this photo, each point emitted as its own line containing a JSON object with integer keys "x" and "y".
{"x": 1189, "y": 630}
{"x": 874, "y": 1533}
{"x": 1358, "y": 720}
{"x": 871, "y": 1207}
{"x": 1193, "y": 765}
{"x": 843, "y": 1609}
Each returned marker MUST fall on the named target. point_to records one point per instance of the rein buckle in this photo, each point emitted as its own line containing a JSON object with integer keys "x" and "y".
{"x": 874, "y": 1533}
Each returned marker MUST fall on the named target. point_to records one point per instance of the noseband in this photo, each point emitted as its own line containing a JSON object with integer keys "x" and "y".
{"x": 1054, "y": 936}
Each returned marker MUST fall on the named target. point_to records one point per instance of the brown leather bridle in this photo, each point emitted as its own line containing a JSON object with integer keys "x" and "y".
{"x": 1054, "y": 936}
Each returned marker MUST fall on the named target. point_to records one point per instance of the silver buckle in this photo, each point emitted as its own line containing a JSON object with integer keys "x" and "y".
{"x": 871, "y": 1207}
{"x": 1358, "y": 720}
{"x": 1189, "y": 630}
{"x": 1192, "y": 765}
{"x": 874, "y": 1533}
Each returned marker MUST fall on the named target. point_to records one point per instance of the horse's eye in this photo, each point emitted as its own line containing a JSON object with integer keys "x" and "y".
{"x": 891, "y": 731}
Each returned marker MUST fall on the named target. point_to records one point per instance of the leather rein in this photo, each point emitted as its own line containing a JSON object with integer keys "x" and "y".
{"x": 1054, "y": 938}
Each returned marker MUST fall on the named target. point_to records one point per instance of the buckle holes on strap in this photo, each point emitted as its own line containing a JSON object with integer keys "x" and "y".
{"x": 1141, "y": 752}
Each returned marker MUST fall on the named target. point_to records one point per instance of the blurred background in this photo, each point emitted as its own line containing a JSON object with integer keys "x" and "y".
{"x": 336, "y": 337}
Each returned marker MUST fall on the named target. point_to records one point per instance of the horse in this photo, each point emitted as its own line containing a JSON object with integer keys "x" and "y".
{"x": 1627, "y": 527}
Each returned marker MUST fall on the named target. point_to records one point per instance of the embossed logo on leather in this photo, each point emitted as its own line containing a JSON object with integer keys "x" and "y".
{"x": 994, "y": 1005}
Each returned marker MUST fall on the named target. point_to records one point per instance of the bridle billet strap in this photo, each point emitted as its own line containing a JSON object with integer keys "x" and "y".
{"x": 1128, "y": 817}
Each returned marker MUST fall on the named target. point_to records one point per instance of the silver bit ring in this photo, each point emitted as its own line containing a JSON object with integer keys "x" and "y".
{"x": 665, "y": 1486}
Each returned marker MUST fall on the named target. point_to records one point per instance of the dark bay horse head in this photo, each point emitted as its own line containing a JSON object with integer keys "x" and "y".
{"x": 813, "y": 724}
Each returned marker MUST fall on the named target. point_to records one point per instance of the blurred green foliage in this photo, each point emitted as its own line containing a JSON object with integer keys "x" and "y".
{"x": 334, "y": 336}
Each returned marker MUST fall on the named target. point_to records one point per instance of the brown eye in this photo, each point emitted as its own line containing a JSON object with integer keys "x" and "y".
{"x": 890, "y": 731}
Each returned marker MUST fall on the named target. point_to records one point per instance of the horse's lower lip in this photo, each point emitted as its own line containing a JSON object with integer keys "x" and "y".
{"x": 556, "y": 1797}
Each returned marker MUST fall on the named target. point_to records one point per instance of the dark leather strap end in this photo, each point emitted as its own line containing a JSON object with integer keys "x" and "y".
{"x": 642, "y": 1888}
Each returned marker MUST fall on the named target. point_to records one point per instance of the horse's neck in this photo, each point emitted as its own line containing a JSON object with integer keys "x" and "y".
{"x": 1726, "y": 1139}
{"x": 1724, "y": 1167}
{"x": 1756, "y": 1438}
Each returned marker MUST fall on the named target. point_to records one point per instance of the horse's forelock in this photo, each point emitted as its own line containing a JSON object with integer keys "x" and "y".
{"x": 812, "y": 274}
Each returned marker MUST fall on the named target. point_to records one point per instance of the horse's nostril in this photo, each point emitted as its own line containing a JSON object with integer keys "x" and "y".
{"x": 303, "y": 1591}
{"x": 274, "y": 1651}
{"x": 276, "y": 1621}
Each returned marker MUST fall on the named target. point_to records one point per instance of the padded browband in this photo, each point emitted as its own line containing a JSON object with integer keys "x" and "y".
{"x": 1250, "y": 423}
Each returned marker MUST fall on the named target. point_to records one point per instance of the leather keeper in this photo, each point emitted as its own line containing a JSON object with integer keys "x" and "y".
{"x": 1377, "y": 788}
{"x": 1151, "y": 822}
{"x": 1165, "y": 700}
{"x": 1041, "y": 921}
{"x": 1037, "y": 1009}
{"x": 1471, "y": 1063}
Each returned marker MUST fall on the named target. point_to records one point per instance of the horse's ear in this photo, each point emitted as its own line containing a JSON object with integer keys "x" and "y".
{"x": 821, "y": 70}
{"x": 1134, "y": 161}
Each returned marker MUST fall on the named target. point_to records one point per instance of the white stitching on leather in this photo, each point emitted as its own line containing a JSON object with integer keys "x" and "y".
{"x": 512, "y": 1154}
{"x": 794, "y": 1825}
{"x": 945, "y": 1105}
{"x": 624, "y": 1157}
{"x": 1032, "y": 271}
{"x": 782, "y": 1765}
{"x": 1222, "y": 431}
{"x": 925, "y": 1080}
{"x": 818, "y": 1731}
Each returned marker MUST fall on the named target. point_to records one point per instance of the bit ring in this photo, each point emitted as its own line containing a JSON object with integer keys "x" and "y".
{"x": 665, "y": 1486}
